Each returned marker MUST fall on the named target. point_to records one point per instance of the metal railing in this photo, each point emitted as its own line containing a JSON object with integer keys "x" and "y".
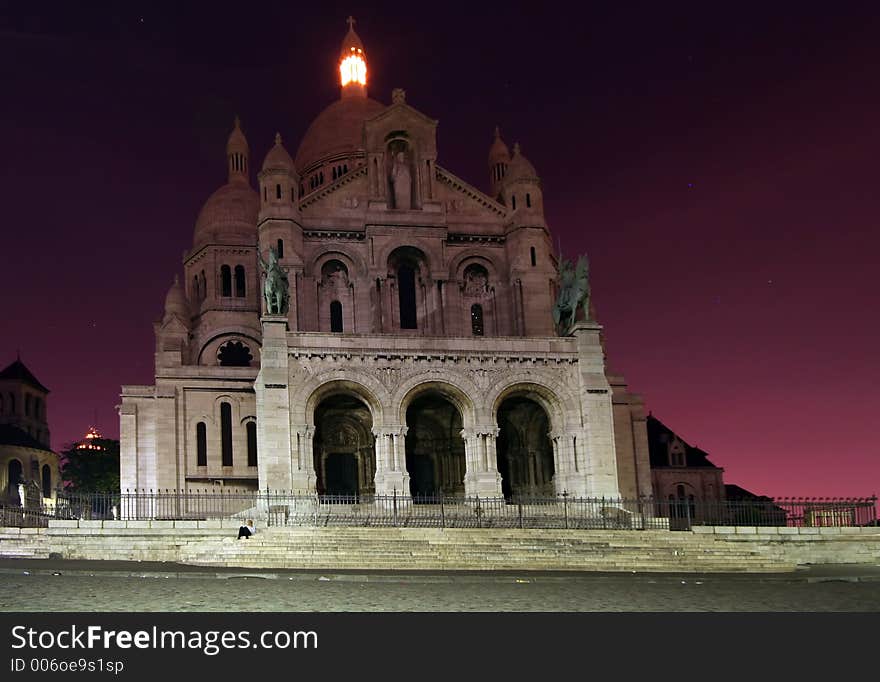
{"x": 283, "y": 508}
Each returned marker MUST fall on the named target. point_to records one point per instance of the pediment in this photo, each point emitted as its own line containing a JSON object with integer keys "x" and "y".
{"x": 349, "y": 193}
{"x": 460, "y": 197}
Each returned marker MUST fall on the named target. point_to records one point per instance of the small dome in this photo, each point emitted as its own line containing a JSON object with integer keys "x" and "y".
{"x": 520, "y": 168}
{"x": 229, "y": 216}
{"x": 339, "y": 129}
{"x": 176, "y": 303}
{"x": 278, "y": 158}
{"x": 498, "y": 152}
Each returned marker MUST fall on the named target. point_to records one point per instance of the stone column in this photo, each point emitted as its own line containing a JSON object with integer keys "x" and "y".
{"x": 481, "y": 473}
{"x": 570, "y": 477}
{"x": 391, "y": 473}
{"x": 274, "y": 464}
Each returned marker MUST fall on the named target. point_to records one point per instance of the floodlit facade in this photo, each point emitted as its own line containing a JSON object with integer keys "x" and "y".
{"x": 418, "y": 355}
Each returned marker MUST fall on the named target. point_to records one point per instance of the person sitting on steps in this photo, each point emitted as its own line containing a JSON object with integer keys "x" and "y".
{"x": 246, "y": 530}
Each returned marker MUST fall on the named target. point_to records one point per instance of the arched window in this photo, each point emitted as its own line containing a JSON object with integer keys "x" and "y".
{"x": 226, "y": 434}
{"x": 27, "y": 405}
{"x": 528, "y": 200}
{"x": 265, "y": 194}
{"x": 38, "y": 408}
{"x": 406, "y": 288}
{"x": 336, "y": 317}
{"x": 334, "y": 173}
{"x": 225, "y": 281}
{"x": 13, "y": 478}
{"x": 12, "y": 403}
{"x": 534, "y": 256}
{"x": 201, "y": 444}
{"x": 234, "y": 354}
{"x": 47, "y": 481}
{"x": 280, "y": 248}
{"x": 291, "y": 195}
{"x": 477, "y": 319}
{"x": 239, "y": 281}
{"x": 252, "y": 443}
{"x": 204, "y": 285}
{"x": 2, "y": 404}
{"x": 278, "y": 191}
{"x": 513, "y": 201}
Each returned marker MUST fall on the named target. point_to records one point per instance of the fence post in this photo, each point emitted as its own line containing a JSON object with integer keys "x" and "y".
{"x": 479, "y": 513}
{"x": 687, "y": 506}
{"x": 394, "y": 505}
{"x": 268, "y": 509}
{"x": 565, "y": 506}
{"x": 442, "y": 512}
{"x": 519, "y": 511}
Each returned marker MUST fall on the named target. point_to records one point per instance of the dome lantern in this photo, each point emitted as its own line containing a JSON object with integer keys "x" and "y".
{"x": 237, "y": 153}
{"x": 353, "y": 64}
{"x": 499, "y": 158}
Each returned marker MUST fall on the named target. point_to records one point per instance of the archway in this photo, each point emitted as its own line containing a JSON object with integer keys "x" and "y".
{"x": 525, "y": 453}
{"x": 343, "y": 447}
{"x": 13, "y": 478}
{"x": 435, "y": 456}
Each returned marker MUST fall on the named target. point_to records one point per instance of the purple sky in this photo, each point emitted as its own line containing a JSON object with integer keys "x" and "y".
{"x": 718, "y": 165}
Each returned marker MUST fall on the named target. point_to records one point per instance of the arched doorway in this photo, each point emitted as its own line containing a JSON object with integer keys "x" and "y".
{"x": 435, "y": 456}
{"x": 525, "y": 453}
{"x": 13, "y": 478}
{"x": 344, "y": 452}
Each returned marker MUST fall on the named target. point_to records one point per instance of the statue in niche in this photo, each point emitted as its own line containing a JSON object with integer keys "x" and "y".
{"x": 337, "y": 278}
{"x": 574, "y": 294}
{"x": 476, "y": 282}
{"x": 401, "y": 181}
{"x": 276, "y": 287}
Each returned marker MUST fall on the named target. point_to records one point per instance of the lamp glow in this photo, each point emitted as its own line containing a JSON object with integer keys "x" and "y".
{"x": 353, "y": 69}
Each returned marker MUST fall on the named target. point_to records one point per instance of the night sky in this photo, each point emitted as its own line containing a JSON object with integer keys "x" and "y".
{"x": 718, "y": 164}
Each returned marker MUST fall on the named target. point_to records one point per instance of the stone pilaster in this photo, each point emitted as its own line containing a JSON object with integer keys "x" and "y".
{"x": 303, "y": 475}
{"x": 274, "y": 464}
{"x": 600, "y": 461}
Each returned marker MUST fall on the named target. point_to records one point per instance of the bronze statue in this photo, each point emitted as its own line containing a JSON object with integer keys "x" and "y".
{"x": 574, "y": 294}
{"x": 275, "y": 288}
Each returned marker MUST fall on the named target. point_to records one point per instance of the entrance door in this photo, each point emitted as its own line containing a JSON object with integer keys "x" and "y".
{"x": 421, "y": 477}
{"x": 342, "y": 478}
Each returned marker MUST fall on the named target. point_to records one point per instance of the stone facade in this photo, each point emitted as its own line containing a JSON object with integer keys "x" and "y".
{"x": 418, "y": 354}
{"x": 29, "y": 471}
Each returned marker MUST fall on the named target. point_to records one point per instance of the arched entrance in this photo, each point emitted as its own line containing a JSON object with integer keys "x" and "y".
{"x": 435, "y": 456}
{"x": 13, "y": 478}
{"x": 344, "y": 452}
{"x": 525, "y": 453}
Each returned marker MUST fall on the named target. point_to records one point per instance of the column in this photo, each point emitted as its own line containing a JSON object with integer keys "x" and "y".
{"x": 481, "y": 473}
{"x": 391, "y": 474}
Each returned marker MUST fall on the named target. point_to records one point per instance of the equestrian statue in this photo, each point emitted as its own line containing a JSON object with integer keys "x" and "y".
{"x": 574, "y": 294}
{"x": 275, "y": 288}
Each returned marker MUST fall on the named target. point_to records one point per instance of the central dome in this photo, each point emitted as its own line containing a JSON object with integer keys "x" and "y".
{"x": 338, "y": 130}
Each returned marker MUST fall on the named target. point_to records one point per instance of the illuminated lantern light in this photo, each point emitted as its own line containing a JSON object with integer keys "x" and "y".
{"x": 353, "y": 69}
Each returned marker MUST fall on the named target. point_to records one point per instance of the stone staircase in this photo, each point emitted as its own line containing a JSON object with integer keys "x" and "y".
{"x": 22, "y": 543}
{"x": 391, "y": 549}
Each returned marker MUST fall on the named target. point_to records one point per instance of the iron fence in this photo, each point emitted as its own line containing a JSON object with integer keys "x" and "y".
{"x": 282, "y": 508}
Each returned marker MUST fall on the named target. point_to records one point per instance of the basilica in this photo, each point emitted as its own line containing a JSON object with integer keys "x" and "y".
{"x": 417, "y": 354}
